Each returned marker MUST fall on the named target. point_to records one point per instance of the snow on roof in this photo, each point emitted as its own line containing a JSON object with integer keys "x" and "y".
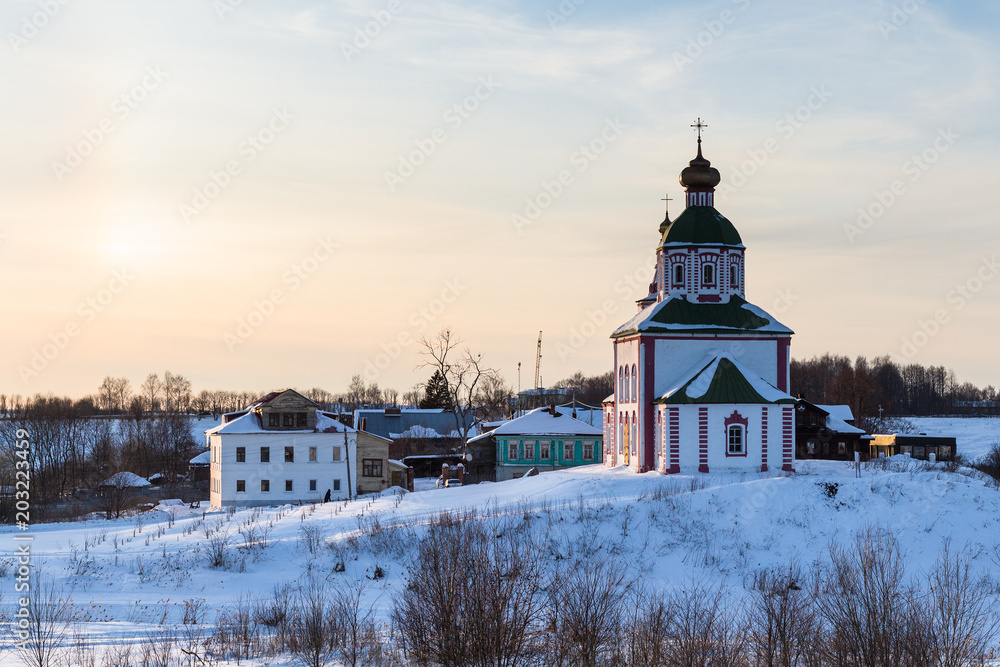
{"x": 250, "y": 423}
{"x": 541, "y": 422}
{"x": 840, "y": 426}
{"x": 126, "y": 480}
{"x": 841, "y": 412}
{"x": 394, "y": 462}
{"x": 202, "y": 459}
{"x": 676, "y": 313}
{"x": 718, "y": 378}
{"x": 418, "y": 431}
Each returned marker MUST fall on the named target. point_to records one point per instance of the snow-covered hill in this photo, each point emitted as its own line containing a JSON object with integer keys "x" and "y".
{"x": 131, "y": 576}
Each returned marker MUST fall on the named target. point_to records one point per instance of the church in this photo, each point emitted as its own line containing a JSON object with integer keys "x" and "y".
{"x": 701, "y": 374}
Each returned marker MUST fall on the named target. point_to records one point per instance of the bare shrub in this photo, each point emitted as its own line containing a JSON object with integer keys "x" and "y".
{"x": 40, "y": 639}
{"x": 236, "y": 633}
{"x": 585, "y": 605}
{"x": 645, "y": 622}
{"x": 989, "y": 463}
{"x": 472, "y": 594}
{"x": 706, "y": 629}
{"x": 783, "y": 624}
{"x": 219, "y": 550}
{"x": 958, "y": 619}
{"x": 313, "y": 537}
{"x": 313, "y": 625}
{"x": 864, "y": 602}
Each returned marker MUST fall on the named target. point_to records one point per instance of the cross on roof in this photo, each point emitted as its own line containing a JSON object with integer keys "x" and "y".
{"x": 667, "y": 199}
{"x": 699, "y": 124}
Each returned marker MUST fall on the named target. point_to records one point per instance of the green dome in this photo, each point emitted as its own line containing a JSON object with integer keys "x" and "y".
{"x": 699, "y": 225}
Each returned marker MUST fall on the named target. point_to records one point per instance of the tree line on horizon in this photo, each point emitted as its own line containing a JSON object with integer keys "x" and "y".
{"x": 881, "y": 388}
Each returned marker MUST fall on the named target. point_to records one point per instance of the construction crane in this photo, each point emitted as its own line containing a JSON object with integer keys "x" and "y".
{"x": 538, "y": 366}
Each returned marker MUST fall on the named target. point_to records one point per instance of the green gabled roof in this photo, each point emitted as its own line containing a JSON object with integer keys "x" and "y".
{"x": 731, "y": 314}
{"x": 726, "y": 384}
{"x": 701, "y": 225}
{"x": 678, "y": 315}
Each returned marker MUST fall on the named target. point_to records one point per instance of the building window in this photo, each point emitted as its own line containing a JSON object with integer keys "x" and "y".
{"x": 511, "y": 450}
{"x": 312, "y": 455}
{"x": 288, "y": 485}
{"x": 708, "y": 274}
{"x": 265, "y": 486}
{"x": 635, "y": 384}
{"x": 241, "y": 454}
{"x": 372, "y": 468}
{"x": 621, "y": 386}
{"x": 300, "y": 419}
{"x": 545, "y": 445}
{"x": 289, "y": 455}
{"x": 678, "y": 273}
{"x": 312, "y": 485}
{"x": 274, "y": 419}
{"x": 529, "y": 449}
{"x": 736, "y": 444}
{"x": 288, "y": 419}
{"x": 734, "y": 278}
{"x": 336, "y": 453}
{"x": 567, "y": 452}
{"x": 265, "y": 454}
{"x": 241, "y": 486}
{"x": 588, "y": 450}
{"x": 628, "y": 385}
{"x": 336, "y": 485}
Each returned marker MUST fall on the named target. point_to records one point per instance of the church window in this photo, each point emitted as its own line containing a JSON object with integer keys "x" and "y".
{"x": 736, "y": 443}
{"x": 627, "y": 385}
{"x": 678, "y": 274}
{"x": 708, "y": 274}
{"x": 621, "y": 387}
{"x": 734, "y": 278}
{"x": 635, "y": 384}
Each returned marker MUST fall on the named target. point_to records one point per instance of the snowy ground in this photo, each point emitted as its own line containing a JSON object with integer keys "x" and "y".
{"x": 132, "y": 576}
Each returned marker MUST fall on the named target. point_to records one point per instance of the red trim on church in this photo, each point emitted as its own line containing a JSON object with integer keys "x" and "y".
{"x": 702, "y": 439}
{"x": 787, "y": 432}
{"x": 675, "y": 440}
{"x": 647, "y": 357}
{"x": 763, "y": 439}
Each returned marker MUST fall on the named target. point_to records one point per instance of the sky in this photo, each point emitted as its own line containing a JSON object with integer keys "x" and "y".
{"x": 261, "y": 195}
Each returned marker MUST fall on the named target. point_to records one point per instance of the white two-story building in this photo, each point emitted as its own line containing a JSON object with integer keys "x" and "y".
{"x": 281, "y": 449}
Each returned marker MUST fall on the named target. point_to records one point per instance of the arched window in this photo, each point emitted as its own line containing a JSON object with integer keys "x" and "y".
{"x": 635, "y": 384}
{"x": 632, "y": 432}
{"x": 734, "y": 276}
{"x": 736, "y": 439}
{"x": 678, "y": 274}
{"x": 708, "y": 274}
{"x": 627, "y": 386}
{"x": 621, "y": 387}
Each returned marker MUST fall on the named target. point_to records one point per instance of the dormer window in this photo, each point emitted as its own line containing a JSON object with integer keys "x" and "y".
{"x": 678, "y": 274}
{"x": 708, "y": 274}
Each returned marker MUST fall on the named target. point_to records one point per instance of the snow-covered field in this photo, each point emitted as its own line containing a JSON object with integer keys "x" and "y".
{"x": 133, "y": 576}
{"x": 975, "y": 434}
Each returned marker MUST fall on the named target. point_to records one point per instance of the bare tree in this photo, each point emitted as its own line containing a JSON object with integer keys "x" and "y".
{"x": 151, "y": 390}
{"x": 176, "y": 391}
{"x": 464, "y": 371}
{"x": 783, "y": 623}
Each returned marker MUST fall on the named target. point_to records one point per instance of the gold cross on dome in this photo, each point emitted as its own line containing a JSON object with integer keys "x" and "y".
{"x": 699, "y": 124}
